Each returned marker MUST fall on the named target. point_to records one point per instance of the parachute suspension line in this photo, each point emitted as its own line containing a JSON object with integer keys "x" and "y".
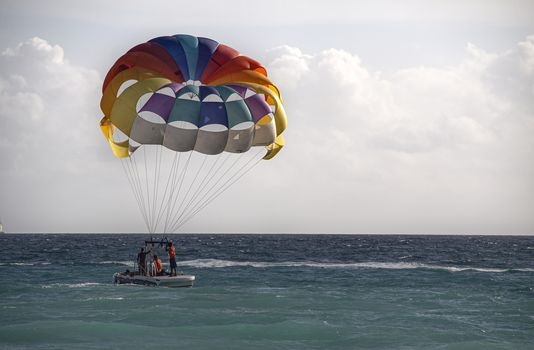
{"x": 213, "y": 176}
{"x": 202, "y": 202}
{"x": 238, "y": 174}
{"x": 165, "y": 192}
{"x": 214, "y": 190}
{"x": 135, "y": 168}
{"x": 229, "y": 183}
{"x": 147, "y": 190}
{"x": 179, "y": 212}
{"x": 129, "y": 176}
{"x": 178, "y": 217}
{"x": 176, "y": 186}
{"x": 151, "y": 181}
{"x": 157, "y": 173}
{"x": 137, "y": 180}
{"x": 218, "y": 176}
{"x": 174, "y": 181}
{"x": 223, "y": 189}
{"x": 170, "y": 210}
{"x": 131, "y": 179}
{"x": 176, "y": 197}
{"x": 218, "y": 171}
{"x": 202, "y": 185}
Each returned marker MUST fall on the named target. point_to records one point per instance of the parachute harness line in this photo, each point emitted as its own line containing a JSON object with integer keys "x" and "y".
{"x": 189, "y": 186}
{"x": 188, "y": 117}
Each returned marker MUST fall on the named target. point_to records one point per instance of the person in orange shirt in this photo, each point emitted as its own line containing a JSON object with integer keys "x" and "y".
{"x": 159, "y": 266}
{"x": 172, "y": 260}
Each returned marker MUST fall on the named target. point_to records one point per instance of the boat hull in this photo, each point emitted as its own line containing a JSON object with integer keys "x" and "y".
{"x": 155, "y": 281}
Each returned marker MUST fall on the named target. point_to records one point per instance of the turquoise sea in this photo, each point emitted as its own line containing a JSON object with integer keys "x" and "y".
{"x": 271, "y": 292}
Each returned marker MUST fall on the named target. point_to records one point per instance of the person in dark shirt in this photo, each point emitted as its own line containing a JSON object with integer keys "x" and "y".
{"x": 141, "y": 261}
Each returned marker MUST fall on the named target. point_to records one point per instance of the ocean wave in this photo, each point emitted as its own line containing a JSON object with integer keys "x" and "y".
{"x": 24, "y": 263}
{"x": 216, "y": 263}
{"x": 104, "y": 298}
{"x": 71, "y": 285}
{"x": 112, "y": 262}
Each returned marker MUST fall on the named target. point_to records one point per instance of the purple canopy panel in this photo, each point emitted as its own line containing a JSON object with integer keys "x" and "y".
{"x": 240, "y": 89}
{"x": 159, "y": 104}
{"x": 174, "y": 86}
{"x": 258, "y": 107}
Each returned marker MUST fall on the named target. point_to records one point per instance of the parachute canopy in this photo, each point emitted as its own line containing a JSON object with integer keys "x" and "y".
{"x": 188, "y": 93}
{"x": 182, "y": 113}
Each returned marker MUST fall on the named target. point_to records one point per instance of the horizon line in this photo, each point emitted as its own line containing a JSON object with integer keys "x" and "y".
{"x": 273, "y": 233}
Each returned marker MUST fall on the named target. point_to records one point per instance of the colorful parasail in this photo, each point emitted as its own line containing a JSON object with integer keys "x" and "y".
{"x": 188, "y": 117}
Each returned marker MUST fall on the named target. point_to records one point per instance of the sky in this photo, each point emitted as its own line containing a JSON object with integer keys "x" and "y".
{"x": 404, "y": 117}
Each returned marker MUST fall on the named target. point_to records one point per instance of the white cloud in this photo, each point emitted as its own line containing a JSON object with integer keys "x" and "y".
{"x": 49, "y": 137}
{"x": 36, "y": 49}
{"x": 288, "y": 62}
{"x": 415, "y": 148}
{"x": 422, "y": 149}
{"x": 49, "y": 106}
{"x": 526, "y": 50}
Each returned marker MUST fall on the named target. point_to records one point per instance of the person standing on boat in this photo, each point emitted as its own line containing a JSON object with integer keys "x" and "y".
{"x": 141, "y": 261}
{"x": 172, "y": 261}
{"x": 159, "y": 266}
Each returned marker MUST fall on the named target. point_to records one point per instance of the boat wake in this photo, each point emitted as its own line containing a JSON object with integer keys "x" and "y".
{"x": 216, "y": 263}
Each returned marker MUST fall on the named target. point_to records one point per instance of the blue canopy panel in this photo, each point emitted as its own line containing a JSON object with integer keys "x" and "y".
{"x": 190, "y": 45}
{"x": 236, "y": 108}
{"x": 177, "y": 52}
{"x": 212, "y": 110}
{"x": 206, "y": 48}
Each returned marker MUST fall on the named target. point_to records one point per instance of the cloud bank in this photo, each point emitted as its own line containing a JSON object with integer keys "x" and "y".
{"x": 423, "y": 149}
{"x": 48, "y": 139}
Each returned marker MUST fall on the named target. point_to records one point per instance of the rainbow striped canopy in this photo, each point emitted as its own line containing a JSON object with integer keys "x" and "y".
{"x": 190, "y": 93}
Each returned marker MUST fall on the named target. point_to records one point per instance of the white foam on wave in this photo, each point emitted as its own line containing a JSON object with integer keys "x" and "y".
{"x": 216, "y": 263}
{"x": 71, "y": 285}
{"x": 113, "y": 262}
{"x": 24, "y": 263}
{"x": 21, "y": 264}
{"x": 104, "y": 298}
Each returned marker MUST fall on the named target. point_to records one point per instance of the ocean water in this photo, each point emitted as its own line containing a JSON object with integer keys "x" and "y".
{"x": 271, "y": 292}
